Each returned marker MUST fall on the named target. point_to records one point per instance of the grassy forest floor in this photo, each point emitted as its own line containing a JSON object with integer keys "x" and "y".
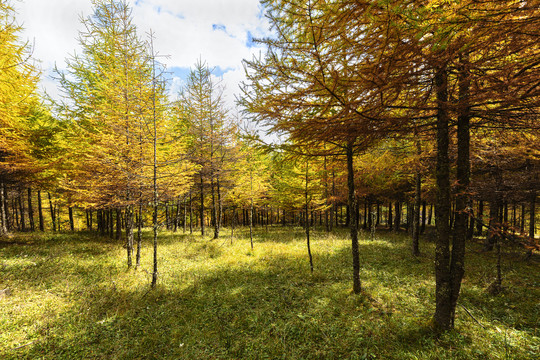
{"x": 70, "y": 296}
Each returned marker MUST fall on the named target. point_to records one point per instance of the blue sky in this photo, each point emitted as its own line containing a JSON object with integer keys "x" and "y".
{"x": 219, "y": 32}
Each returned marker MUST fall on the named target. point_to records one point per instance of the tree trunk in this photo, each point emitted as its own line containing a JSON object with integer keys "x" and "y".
{"x": 307, "y": 218}
{"x": 397, "y": 220}
{"x": 215, "y": 221}
{"x": 416, "y": 212}
{"x": 470, "y": 229}
{"x": 333, "y": 209}
{"x": 22, "y": 209}
{"x": 3, "y": 211}
{"x": 443, "y": 287}
{"x": 390, "y": 219}
{"x": 480, "y": 217}
{"x": 532, "y": 225}
{"x": 251, "y": 208}
{"x": 31, "y": 211}
{"x": 111, "y": 224}
{"x": 522, "y": 219}
{"x": 494, "y": 223}
{"x": 129, "y": 232}
{"x": 119, "y": 232}
{"x": 378, "y": 219}
{"x": 71, "y": 221}
{"x": 202, "y": 206}
{"x": 457, "y": 264}
{"x": 352, "y": 224}
{"x": 220, "y": 204}
{"x": 423, "y": 225}
{"x": 51, "y": 207}
{"x": 139, "y": 236}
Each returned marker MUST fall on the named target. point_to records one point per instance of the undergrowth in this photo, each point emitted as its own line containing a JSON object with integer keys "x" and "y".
{"x": 71, "y": 296}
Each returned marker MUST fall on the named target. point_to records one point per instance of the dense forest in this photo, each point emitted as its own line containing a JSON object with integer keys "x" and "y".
{"x": 409, "y": 122}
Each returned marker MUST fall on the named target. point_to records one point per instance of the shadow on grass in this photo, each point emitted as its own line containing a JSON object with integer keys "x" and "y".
{"x": 269, "y": 308}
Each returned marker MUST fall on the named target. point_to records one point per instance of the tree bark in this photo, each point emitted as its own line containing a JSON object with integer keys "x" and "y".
{"x": 119, "y": 233}
{"x": 457, "y": 263}
{"x": 307, "y": 218}
{"x": 443, "y": 288}
{"x": 424, "y": 220}
{"x": 71, "y": 221}
{"x": 251, "y": 208}
{"x": 202, "y": 206}
{"x": 31, "y": 211}
{"x": 51, "y": 207}
{"x": 416, "y": 215}
{"x": 139, "y": 236}
{"x": 22, "y": 209}
{"x": 397, "y": 219}
{"x": 3, "y": 211}
{"x": 480, "y": 216}
{"x": 352, "y": 224}
{"x": 390, "y": 220}
{"x": 532, "y": 214}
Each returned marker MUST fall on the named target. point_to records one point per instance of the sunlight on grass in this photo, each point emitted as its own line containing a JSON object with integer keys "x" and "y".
{"x": 72, "y": 296}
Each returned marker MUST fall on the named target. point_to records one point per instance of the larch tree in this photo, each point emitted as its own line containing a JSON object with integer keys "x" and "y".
{"x": 103, "y": 91}
{"x": 206, "y": 114}
{"x": 18, "y": 101}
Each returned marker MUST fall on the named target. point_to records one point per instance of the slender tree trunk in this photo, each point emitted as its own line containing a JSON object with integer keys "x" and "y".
{"x": 51, "y": 207}
{"x": 532, "y": 224}
{"x": 470, "y": 229}
{"x": 22, "y": 209}
{"x": 416, "y": 212}
{"x": 184, "y": 224}
{"x": 190, "y": 213}
{"x": 16, "y": 213}
{"x": 71, "y": 220}
{"x": 307, "y": 217}
{"x": 443, "y": 287}
{"x": 154, "y": 178}
{"x": 251, "y": 208}
{"x": 390, "y": 216}
{"x": 522, "y": 219}
{"x": 327, "y": 225}
{"x": 31, "y": 211}
{"x": 9, "y": 218}
{"x": 139, "y": 236}
{"x": 397, "y": 220}
{"x": 378, "y": 219}
{"x": 215, "y": 220}
{"x": 232, "y": 224}
{"x": 119, "y": 233}
{"x": 111, "y": 224}
{"x": 423, "y": 225}
{"x": 129, "y": 214}
{"x": 220, "y": 204}
{"x": 480, "y": 217}
{"x": 3, "y": 211}
{"x": 494, "y": 223}
{"x": 202, "y": 206}
{"x": 357, "y": 287}
{"x": 333, "y": 210}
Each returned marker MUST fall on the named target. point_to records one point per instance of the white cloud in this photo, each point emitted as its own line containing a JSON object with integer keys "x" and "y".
{"x": 216, "y": 31}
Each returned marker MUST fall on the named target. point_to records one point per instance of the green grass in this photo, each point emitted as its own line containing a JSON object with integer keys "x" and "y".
{"x": 72, "y": 297}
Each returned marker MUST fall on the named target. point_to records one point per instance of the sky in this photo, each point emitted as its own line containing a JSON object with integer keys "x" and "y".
{"x": 219, "y": 32}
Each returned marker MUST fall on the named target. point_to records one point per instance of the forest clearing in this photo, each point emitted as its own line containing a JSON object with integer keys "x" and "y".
{"x": 71, "y": 297}
{"x": 368, "y": 189}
